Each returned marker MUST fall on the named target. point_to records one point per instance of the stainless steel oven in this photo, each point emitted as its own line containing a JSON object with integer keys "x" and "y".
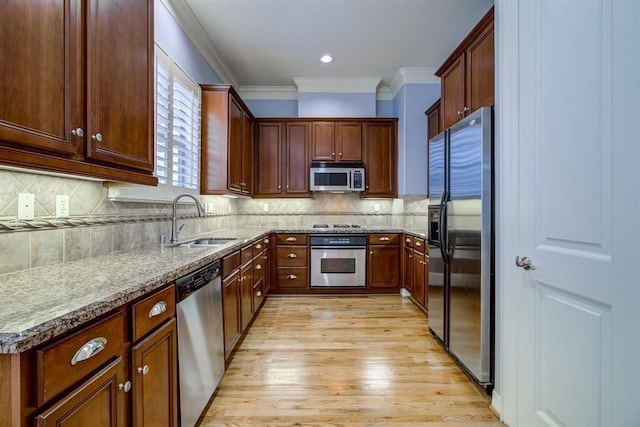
{"x": 338, "y": 260}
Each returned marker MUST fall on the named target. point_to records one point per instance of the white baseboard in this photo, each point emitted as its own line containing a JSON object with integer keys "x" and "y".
{"x": 496, "y": 404}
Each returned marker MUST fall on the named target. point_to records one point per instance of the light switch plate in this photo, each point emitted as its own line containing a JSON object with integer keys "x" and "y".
{"x": 26, "y": 206}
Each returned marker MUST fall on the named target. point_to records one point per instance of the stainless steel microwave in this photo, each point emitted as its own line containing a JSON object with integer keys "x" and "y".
{"x": 329, "y": 176}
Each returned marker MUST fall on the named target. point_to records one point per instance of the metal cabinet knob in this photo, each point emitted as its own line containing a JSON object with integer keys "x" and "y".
{"x": 333, "y": 154}
{"x": 408, "y": 240}
{"x": 258, "y": 267}
{"x": 291, "y": 239}
{"x": 418, "y": 244}
{"x": 258, "y": 246}
{"x": 459, "y": 112}
{"x": 78, "y": 132}
{"x": 410, "y": 256}
{"x": 292, "y": 277}
{"x": 266, "y": 241}
{"x": 525, "y": 263}
{"x": 144, "y": 370}
{"x": 259, "y": 293}
{"x": 279, "y": 187}
{"x": 292, "y": 256}
{"x": 97, "y": 137}
{"x": 340, "y": 154}
{"x": 125, "y": 386}
{"x": 466, "y": 109}
{"x": 370, "y": 252}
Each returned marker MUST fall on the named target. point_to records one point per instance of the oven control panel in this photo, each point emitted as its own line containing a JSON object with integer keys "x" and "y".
{"x": 338, "y": 240}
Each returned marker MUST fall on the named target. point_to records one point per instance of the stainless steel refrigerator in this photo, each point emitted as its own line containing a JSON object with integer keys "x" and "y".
{"x": 461, "y": 243}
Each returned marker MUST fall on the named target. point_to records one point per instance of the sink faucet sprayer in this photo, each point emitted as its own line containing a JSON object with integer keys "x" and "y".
{"x": 174, "y": 220}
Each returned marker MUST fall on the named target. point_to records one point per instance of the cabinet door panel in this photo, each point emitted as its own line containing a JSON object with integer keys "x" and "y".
{"x": 349, "y": 142}
{"x": 155, "y": 393}
{"x": 268, "y": 158}
{"x": 247, "y": 154}
{"x": 97, "y": 402}
{"x": 452, "y": 82}
{"x": 408, "y": 272}
{"x": 297, "y": 155}
{"x": 246, "y": 297}
{"x": 235, "y": 146}
{"x": 322, "y": 141}
{"x": 42, "y": 74}
{"x": 419, "y": 278}
{"x": 230, "y": 308}
{"x": 480, "y": 71}
{"x": 383, "y": 266}
{"x": 120, "y": 84}
{"x": 380, "y": 142}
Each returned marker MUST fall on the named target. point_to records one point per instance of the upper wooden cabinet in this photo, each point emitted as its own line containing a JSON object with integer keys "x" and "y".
{"x": 467, "y": 76}
{"x": 433, "y": 120}
{"x": 336, "y": 141}
{"x": 227, "y": 142}
{"x": 78, "y": 91}
{"x": 381, "y": 158}
{"x": 282, "y": 158}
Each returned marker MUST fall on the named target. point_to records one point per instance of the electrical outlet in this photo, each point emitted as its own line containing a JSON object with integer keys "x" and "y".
{"x": 26, "y": 206}
{"x": 265, "y": 207}
{"x": 62, "y": 206}
{"x": 376, "y": 207}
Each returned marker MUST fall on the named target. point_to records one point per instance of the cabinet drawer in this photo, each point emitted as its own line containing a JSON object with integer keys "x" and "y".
{"x": 230, "y": 263}
{"x": 291, "y": 256}
{"x": 408, "y": 241}
{"x": 259, "y": 246}
{"x": 291, "y": 239}
{"x": 246, "y": 254}
{"x": 259, "y": 267}
{"x": 152, "y": 311}
{"x": 67, "y": 361}
{"x": 292, "y": 277}
{"x": 419, "y": 244}
{"x": 258, "y": 294}
{"x": 384, "y": 239}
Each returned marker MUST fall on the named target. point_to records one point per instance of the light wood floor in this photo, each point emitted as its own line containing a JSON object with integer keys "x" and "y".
{"x": 344, "y": 361}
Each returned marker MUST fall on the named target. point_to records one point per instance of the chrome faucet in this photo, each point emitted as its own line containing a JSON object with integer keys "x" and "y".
{"x": 174, "y": 219}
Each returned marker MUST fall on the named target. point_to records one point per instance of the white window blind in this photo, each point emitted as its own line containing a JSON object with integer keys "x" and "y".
{"x": 177, "y": 135}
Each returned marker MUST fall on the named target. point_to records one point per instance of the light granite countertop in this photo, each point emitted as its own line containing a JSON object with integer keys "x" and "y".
{"x": 41, "y": 303}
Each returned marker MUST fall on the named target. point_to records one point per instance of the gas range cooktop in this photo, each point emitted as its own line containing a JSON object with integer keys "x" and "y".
{"x": 336, "y": 226}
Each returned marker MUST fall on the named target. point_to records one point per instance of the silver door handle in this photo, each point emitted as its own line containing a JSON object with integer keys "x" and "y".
{"x": 89, "y": 349}
{"x": 525, "y": 263}
{"x": 157, "y": 309}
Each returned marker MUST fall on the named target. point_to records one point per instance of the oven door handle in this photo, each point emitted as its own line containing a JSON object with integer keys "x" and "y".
{"x": 338, "y": 247}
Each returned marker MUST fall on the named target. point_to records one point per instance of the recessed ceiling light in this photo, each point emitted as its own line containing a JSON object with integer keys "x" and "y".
{"x": 326, "y": 59}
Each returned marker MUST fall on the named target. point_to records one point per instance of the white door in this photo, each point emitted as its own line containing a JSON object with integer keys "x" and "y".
{"x": 575, "y": 339}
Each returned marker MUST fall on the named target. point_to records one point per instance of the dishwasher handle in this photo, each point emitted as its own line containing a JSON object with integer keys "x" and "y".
{"x": 187, "y": 285}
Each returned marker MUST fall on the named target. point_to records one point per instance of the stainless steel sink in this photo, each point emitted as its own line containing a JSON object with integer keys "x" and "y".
{"x": 208, "y": 242}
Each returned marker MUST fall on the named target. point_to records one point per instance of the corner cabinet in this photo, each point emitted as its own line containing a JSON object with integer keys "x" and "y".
{"x": 381, "y": 158}
{"x": 467, "y": 76}
{"x": 227, "y": 142}
{"x": 282, "y": 158}
{"x": 78, "y": 91}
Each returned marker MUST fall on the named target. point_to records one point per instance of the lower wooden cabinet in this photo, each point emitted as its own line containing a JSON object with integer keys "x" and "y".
{"x": 383, "y": 261}
{"x": 407, "y": 269}
{"x": 246, "y": 295}
{"x": 99, "y": 401}
{"x": 231, "y": 314}
{"x": 154, "y": 378}
{"x": 416, "y": 269}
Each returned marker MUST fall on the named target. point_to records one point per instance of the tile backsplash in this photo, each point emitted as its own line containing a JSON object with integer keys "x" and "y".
{"x": 98, "y": 225}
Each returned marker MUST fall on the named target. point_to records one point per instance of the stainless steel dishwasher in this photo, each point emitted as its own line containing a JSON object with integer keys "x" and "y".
{"x": 200, "y": 340}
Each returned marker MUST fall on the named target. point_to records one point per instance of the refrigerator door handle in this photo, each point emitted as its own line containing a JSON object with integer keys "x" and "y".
{"x": 442, "y": 226}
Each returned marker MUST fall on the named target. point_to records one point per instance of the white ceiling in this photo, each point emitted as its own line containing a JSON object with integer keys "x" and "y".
{"x": 269, "y": 42}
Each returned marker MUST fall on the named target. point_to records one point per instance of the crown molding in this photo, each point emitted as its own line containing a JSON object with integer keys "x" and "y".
{"x": 412, "y": 75}
{"x": 384, "y": 94}
{"x": 269, "y": 92}
{"x": 337, "y": 85}
{"x": 189, "y": 23}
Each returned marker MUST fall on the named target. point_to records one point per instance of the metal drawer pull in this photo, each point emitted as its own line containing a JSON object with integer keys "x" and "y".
{"x": 258, "y": 267}
{"x": 144, "y": 370}
{"x": 408, "y": 240}
{"x": 384, "y": 239}
{"x": 157, "y": 309}
{"x": 292, "y": 256}
{"x": 125, "y": 386}
{"x": 266, "y": 241}
{"x": 258, "y": 246}
{"x": 418, "y": 244}
{"x": 291, "y": 239}
{"x": 90, "y": 349}
{"x": 292, "y": 277}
